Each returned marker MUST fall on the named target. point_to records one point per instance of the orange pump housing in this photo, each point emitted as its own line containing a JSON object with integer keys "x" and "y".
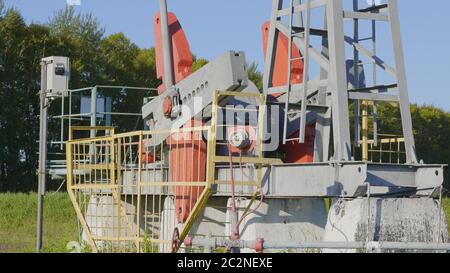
{"x": 187, "y": 161}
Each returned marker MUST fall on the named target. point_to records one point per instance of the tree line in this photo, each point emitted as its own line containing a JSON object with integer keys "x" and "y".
{"x": 98, "y": 59}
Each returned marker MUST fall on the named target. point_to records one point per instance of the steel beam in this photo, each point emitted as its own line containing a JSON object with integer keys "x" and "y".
{"x": 167, "y": 45}
{"x": 338, "y": 82}
{"x": 196, "y": 92}
{"x": 405, "y": 110}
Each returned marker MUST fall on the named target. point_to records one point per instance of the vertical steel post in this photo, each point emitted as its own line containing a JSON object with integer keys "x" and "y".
{"x": 305, "y": 73}
{"x": 405, "y": 110}
{"x": 356, "y": 73}
{"x": 42, "y": 173}
{"x": 271, "y": 47}
{"x": 288, "y": 74}
{"x": 365, "y": 130}
{"x": 167, "y": 45}
{"x": 323, "y": 123}
{"x": 61, "y": 145}
{"x": 93, "y": 111}
{"x": 338, "y": 81}
{"x": 93, "y": 133}
{"x": 374, "y": 83}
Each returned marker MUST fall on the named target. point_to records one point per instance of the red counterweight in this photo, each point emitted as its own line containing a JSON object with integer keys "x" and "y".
{"x": 181, "y": 52}
{"x": 295, "y": 151}
{"x": 281, "y": 60}
{"x": 187, "y": 151}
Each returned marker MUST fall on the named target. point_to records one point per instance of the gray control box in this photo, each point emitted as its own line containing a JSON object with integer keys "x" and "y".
{"x": 58, "y": 75}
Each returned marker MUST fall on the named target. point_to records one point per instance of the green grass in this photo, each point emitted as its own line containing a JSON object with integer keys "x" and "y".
{"x": 446, "y": 205}
{"x": 18, "y": 222}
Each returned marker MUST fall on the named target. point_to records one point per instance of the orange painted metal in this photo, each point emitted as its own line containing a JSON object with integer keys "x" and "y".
{"x": 295, "y": 151}
{"x": 187, "y": 161}
{"x": 281, "y": 60}
{"x": 187, "y": 155}
{"x": 181, "y": 52}
{"x": 167, "y": 106}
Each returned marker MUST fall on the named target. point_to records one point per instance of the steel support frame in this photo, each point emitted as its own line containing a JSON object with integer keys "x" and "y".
{"x": 333, "y": 79}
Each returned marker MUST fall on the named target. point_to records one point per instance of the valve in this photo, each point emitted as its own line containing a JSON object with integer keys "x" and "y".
{"x": 241, "y": 138}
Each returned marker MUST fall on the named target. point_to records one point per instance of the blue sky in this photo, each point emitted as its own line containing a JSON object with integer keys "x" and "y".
{"x": 214, "y": 26}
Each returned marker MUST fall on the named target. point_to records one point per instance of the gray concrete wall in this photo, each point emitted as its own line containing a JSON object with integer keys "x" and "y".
{"x": 282, "y": 220}
{"x": 386, "y": 219}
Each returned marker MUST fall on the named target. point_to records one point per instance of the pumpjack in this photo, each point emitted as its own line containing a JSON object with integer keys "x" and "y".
{"x": 226, "y": 165}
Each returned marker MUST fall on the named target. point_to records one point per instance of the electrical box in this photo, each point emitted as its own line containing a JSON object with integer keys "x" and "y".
{"x": 58, "y": 75}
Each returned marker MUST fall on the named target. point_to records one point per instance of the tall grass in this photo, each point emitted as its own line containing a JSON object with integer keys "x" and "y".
{"x": 18, "y": 222}
{"x": 446, "y": 205}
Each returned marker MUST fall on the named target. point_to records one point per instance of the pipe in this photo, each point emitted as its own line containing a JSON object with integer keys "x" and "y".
{"x": 371, "y": 246}
{"x": 167, "y": 46}
{"x": 234, "y": 213}
{"x": 360, "y": 245}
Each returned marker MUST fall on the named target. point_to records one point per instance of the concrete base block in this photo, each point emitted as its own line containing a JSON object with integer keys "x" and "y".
{"x": 382, "y": 219}
{"x": 211, "y": 221}
{"x": 281, "y": 220}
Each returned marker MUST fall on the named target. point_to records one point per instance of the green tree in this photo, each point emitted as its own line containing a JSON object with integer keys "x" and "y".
{"x": 431, "y": 128}
{"x": 145, "y": 67}
{"x": 18, "y": 86}
{"x": 125, "y": 64}
{"x": 79, "y": 36}
{"x": 198, "y": 63}
{"x": 432, "y": 135}
{"x": 2, "y": 8}
{"x": 255, "y": 76}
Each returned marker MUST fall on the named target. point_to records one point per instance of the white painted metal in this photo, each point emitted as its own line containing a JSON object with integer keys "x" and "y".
{"x": 57, "y": 75}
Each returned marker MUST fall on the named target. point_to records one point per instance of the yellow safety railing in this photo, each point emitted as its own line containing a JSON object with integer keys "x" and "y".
{"x": 119, "y": 186}
{"x": 388, "y": 149}
{"x": 125, "y": 187}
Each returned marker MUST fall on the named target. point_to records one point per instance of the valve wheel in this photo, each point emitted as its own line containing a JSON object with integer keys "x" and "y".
{"x": 176, "y": 241}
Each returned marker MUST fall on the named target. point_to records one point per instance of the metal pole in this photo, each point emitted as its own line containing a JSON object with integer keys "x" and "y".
{"x": 167, "y": 46}
{"x": 42, "y": 175}
{"x": 365, "y": 104}
{"x": 365, "y": 131}
{"x": 93, "y": 111}
{"x": 356, "y": 73}
{"x": 93, "y": 132}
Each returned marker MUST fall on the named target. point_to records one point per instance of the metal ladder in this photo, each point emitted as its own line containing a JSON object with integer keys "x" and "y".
{"x": 304, "y": 32}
